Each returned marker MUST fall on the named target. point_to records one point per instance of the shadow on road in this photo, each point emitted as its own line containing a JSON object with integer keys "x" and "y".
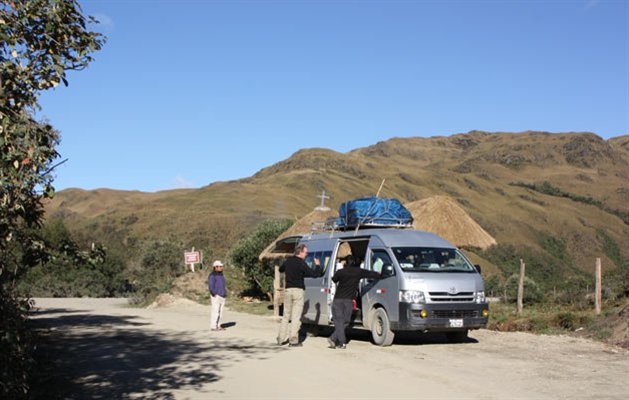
{"x": 408, "y": 338}
{"x": 113, "y": 357}
{"x": 48, "y": 311}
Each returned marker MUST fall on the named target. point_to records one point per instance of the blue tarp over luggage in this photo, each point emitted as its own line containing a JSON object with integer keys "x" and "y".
{"x": 373, "y": 211}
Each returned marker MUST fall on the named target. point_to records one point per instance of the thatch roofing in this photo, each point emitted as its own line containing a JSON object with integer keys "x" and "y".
{"x": 443, "y": 216}
{"x": 440, "y": 215}
{"x": 303, "y": 226}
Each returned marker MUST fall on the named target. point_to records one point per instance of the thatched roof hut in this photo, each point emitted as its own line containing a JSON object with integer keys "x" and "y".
{"x": 285, "y": 243}
{"x": 443, "y": 216}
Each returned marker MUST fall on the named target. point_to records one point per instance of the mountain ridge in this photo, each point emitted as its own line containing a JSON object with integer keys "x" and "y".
{"x": 495, "y": 177}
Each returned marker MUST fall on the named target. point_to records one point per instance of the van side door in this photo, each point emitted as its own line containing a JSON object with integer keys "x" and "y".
{"x": 383, "y": 292}
{"x": 315, "y": 295}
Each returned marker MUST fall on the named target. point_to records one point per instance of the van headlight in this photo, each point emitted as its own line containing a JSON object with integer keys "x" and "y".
{"x": 480, "y": 297}
{"x": 412, "y": 296}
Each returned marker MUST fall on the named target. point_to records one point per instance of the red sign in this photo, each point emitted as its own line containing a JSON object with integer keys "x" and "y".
{"x": 192, "y": 257}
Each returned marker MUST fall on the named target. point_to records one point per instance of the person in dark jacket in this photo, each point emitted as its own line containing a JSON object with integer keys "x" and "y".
{"x": 295, "y": 270}
{"x": 218, "y": 291}
{"x": 347, "y": 280}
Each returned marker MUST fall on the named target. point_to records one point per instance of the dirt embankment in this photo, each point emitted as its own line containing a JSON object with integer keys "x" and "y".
{"x": 614, "y": 328}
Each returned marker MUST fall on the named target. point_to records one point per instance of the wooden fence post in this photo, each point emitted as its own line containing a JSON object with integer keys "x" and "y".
{"x": 598, "y": 297}
{"x": 276, "y": 292}
{"x": 521, "y": 287}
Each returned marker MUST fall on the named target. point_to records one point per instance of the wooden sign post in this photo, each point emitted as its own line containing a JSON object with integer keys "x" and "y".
{"x": 521, "y": 287}
{"x": 192, "y": 257}
{"x": 598, "y": 296}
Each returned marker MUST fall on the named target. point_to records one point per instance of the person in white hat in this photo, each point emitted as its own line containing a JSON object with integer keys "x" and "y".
{"x": 218, "y": 291}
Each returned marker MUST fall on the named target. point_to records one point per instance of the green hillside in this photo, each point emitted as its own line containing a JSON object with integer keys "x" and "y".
{"x": 560, "y": 199}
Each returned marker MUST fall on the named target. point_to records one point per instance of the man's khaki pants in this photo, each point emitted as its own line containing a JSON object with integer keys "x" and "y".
{"x": 218, "y": 303}
{"x": 293, "y": 307}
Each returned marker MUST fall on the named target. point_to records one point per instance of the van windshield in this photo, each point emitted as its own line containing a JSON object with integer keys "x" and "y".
{"x": 428, "y": 259}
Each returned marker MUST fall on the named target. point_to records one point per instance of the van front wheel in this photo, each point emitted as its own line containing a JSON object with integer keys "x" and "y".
{"x": 381, "y": 328}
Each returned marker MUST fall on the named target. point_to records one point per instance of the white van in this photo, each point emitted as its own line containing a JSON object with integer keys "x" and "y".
{"x": 428, "y": 284}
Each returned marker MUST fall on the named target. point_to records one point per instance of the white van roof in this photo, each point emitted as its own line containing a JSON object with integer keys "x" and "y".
{"x": 390, "y": 237}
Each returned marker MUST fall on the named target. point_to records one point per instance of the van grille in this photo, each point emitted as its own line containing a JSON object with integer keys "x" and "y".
{"x": 455, "y": 313}
{"x": 449, "y": 297}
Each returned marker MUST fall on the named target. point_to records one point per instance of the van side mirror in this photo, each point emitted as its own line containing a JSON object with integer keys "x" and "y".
{"x": 387, "y": 270}
{"x": 477, "y": 268}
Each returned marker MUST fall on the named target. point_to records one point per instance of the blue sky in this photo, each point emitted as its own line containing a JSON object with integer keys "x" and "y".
{"x": 185, "y": 93}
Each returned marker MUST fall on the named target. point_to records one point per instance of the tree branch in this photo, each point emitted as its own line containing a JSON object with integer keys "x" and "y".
{"x": 55, "y": 166}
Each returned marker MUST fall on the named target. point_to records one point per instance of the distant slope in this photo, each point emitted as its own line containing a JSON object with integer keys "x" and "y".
{"x": 486, "y": 173}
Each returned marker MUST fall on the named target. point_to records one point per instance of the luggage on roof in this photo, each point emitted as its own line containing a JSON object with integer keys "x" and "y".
{"x": 373, "y": 211}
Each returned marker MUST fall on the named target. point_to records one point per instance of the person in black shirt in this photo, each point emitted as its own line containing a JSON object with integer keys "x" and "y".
{"x": 295, "y": 269}
{"x": 347, "y": 280}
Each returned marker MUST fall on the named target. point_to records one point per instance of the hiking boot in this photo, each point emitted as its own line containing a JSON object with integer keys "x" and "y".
{"x": 342, "y": 346}
{"x": 331, "y": 343}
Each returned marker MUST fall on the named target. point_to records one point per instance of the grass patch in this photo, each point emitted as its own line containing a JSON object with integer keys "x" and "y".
{"x": 539, "y": 318}
{"x": 250, "y": 307}
{"x": 603, "y": 334}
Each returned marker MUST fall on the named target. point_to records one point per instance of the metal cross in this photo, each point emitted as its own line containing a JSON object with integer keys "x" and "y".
{"x": 322, "y": 196}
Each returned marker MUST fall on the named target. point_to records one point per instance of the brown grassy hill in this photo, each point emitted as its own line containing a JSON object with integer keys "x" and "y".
{"x": 561, "y": 195}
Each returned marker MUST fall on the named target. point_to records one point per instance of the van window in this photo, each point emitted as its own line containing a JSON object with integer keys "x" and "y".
{"x": 286, "y": 245}
{"x": 309, "y": 259}
{"x": 428, "y": 259}
{"x": 379, "y": 258}
{"x": 326, "y": 259}
{"x": 323, "y": 256}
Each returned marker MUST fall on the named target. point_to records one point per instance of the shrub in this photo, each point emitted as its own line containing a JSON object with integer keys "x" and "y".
{"x": 493, "y": 287}
{"x": 532, "y": 293}
{"x": 566, "y": 320}
{"x": 16, "y": 348}
{"x": 161, "y": 262}
{"x": 244, "y": 254}
{"x": 69, "y": 271}
{"x": 575, "y": 291}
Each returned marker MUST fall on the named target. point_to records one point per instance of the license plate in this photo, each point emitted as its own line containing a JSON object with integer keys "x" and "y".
{"x": 456, "y": 323}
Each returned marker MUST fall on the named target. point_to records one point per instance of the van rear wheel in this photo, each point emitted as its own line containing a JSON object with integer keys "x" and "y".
{"x": 381, "y": 328}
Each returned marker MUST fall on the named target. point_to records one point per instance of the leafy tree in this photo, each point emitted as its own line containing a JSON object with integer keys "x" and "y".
{"x": 244, "y": 254}
{"x": 39, "y": 41}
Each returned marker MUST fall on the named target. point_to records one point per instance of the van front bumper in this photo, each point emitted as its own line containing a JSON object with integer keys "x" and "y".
{"x": 441, "y": 317}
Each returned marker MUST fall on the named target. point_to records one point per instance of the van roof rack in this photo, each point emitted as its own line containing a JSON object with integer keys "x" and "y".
{"x": 335, "y": 224}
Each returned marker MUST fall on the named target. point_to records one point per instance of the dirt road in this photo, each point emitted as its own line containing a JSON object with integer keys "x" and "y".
{"x": 107, "y": 350}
